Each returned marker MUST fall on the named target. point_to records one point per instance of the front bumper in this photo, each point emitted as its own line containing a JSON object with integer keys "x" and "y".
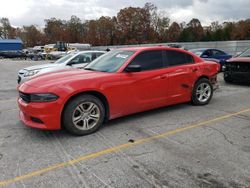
{"x": 243, "y": 77}
{"x": 40, "y": 115}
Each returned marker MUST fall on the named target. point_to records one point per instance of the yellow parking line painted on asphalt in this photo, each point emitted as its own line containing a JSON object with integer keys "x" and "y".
{"x": 116, "y": 148}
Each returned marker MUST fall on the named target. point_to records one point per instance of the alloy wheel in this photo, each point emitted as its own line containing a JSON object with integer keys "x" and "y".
{"x": 203, "y": 92}
{"x": 86, "y": 116}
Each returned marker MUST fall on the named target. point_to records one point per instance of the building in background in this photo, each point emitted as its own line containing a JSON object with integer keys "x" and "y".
{"x": 11, "y": 44}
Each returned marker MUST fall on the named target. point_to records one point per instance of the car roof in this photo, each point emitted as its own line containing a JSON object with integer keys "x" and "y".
{"x": 74, "y": 54}
{"x": 90, "y": 51}
{"x": 142, "y": 48}
{"x": 148, "y": 48}
{"x": 203, "y": 49}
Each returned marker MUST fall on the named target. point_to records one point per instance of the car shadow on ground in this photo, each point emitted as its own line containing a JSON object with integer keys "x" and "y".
{"x": 148, "y": 114}
{"x": 63, "y": 134}
{"x": 240, "y": 84}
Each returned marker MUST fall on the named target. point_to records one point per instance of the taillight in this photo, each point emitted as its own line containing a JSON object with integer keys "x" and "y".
{"x": 218, "y": 67}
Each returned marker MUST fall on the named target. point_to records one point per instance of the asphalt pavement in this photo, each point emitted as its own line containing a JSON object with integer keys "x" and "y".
{"x": 176, "y": 146}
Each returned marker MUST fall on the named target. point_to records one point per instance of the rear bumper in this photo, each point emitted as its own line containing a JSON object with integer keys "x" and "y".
{"x": 213, "y": 80}
{"x": 40, "y": 115}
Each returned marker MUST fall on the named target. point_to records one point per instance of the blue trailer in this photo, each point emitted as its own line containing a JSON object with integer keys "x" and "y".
{"x": 11, "y": 44}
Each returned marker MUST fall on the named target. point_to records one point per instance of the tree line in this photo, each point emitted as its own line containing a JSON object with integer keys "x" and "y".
{"x": 131, "y": 25}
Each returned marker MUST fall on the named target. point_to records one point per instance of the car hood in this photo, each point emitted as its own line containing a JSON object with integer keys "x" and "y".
{"x": 240, "y": 59}
{"x": 40, "y": 67}
{"x": 61, "y": 78}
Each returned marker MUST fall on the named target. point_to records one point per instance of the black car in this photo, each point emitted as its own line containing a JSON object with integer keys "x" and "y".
{"x": 13, "y": 54}
{"x": 238, "y": 69}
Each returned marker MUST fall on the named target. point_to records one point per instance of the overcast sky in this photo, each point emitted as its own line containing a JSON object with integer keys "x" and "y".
{"x": 27, "y": 12}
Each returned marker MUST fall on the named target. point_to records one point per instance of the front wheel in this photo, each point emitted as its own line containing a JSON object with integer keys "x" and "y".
{"x": 83, "y": 115}
{"x": 202, "y": 92}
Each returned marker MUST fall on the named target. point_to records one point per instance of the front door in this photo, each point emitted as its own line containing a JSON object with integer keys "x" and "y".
{"x": 146, "y": 89}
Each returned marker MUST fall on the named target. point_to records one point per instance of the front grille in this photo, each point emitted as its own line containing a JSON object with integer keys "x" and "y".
{"x": 25, "y": 97}
{"x": 238, "y": 67}
{"x": 36, "y": 120}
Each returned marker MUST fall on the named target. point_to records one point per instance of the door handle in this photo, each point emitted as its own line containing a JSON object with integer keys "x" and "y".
{"x": 163, "y": 76}
{"x": 194, "y": 69}
{"x": 179, "y": 70}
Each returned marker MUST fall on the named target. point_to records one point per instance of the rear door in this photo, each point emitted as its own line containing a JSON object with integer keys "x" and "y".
{"x": 182, "y": 74}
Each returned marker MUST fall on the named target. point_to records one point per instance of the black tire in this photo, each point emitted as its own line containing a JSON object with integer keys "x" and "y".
{"x": 196, "y": 100}
{"x": 72, "y": 108}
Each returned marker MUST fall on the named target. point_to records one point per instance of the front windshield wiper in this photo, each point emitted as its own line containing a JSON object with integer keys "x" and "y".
{"x": 88, "y": 68}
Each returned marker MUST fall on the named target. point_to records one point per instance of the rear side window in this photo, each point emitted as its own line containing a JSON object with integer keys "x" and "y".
{"x": 174, "y": 58}
{"x": 189, "y": 58}
{"x": 149, "y": 60}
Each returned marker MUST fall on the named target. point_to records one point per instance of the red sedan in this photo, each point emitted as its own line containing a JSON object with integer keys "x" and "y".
{"x": 121, "y": 82}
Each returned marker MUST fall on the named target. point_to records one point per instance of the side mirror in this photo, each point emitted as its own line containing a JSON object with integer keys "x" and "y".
{"x": 71, "y": 63}
{"x": 133, "y": 68}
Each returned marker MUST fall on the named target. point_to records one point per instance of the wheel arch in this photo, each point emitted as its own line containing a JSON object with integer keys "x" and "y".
{"x": 97, "y": 94}
{"x": 202, "y": 76}
{"x": 198, "y": 78}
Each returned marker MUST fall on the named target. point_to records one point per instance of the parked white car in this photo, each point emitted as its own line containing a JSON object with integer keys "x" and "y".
{"x": 72, "y": 60}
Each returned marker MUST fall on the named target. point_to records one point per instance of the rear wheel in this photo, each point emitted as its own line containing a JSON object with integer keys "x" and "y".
{"x": 83, "y": 115}
{"x": 202, "y": 92}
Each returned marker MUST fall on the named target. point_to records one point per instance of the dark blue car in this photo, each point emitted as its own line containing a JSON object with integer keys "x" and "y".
{"x": 212, "y": 55}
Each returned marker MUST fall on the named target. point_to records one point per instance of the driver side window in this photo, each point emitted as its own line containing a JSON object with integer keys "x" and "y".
{"x": 208, "y": 53}
{"x": 218, "y": 53}
{"x": 83, "y": 58}
{"x": 149, "y": 60}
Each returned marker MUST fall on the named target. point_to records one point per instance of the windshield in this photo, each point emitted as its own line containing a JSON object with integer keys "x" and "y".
{"x": 63, "y": 59}
{"x": 197, "y": 52}
{"x": 245, "y": 54}
{"x": 110, "y": 62}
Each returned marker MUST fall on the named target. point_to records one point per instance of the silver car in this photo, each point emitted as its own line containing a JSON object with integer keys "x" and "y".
{"x": 72, "y": 60}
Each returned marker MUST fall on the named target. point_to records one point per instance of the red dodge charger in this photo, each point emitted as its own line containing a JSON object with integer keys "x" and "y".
{"x": 121, "y": 82}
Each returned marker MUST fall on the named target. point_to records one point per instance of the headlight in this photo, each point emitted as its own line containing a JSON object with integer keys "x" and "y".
{"x": 43, "y": 97}
{"x": 31, "y": 73}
